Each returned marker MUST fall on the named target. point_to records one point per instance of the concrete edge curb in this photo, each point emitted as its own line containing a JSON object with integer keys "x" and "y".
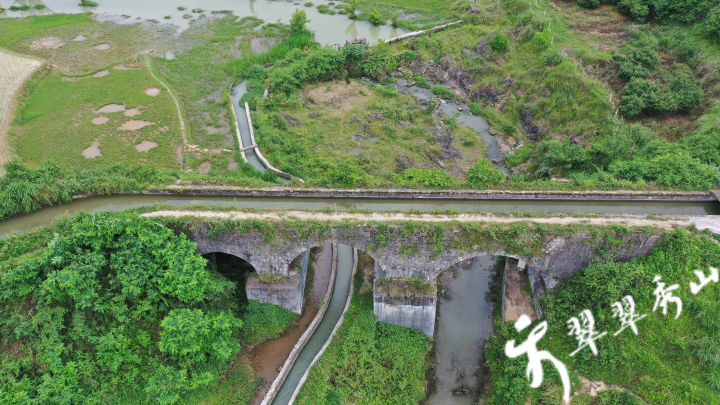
{"x": 237, "y": 128}
{"x": 436, "y": 194}
{"x": 259, "y": 154}
{"x": 332, "y": 334}
{"x": 275, "y": 387}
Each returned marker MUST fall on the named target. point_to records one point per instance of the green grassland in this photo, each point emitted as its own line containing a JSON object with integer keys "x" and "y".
{"x": 671, "y": 361}
{"x": 377, "y": 124}
{"x": 53, "y": 123}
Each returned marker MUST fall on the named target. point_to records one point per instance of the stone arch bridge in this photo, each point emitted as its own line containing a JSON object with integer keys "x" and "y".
{"x": 418, "y": 247}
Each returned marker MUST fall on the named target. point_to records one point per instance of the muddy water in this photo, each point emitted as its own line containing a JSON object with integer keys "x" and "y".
{"x": 465, "y": 118}
{"x": 268, "y": 357}
{"x": 132, "y": 112}
{"x": 463, "y": 323}
{"x": 111, "y": 108}
{"x": 134, "y": 125}
{"x": 329, "y": 29}
{"x": 44, "y": 217}
{"x": 91, "y": 152}
{"x": 145, "y": 146}
{"x": 99, "y": 120}
{"x": 324, "y": 329}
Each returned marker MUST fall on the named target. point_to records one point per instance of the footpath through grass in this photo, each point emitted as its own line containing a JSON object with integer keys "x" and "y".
{"x": 670, "y": 361}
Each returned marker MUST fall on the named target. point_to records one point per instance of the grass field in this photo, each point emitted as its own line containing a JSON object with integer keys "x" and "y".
{"x": 367, "y": 127}
{"x": 54, "y": 121}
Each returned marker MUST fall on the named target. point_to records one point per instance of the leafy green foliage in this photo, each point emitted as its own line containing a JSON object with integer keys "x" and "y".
{"x": 345, "y": 175}
{"x": 263, "y": 322}
{"x": 379, "y": 61}
{"x": 686, "y": 89}
{"x": 484, "y": 174}
{"x": 435, "y": 178}
{"x": 420, "y": 81}
{"x": 298, "y": 21}
{"x": 84, "y": 313}
{"x": 500, "y": 43}
{"x": 590, "y": 3}
{"x": 667, "y": 363}
{"x": 442, "y": 91}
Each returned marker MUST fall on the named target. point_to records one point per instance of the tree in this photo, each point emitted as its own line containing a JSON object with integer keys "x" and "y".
{"x": 298, "y": 21}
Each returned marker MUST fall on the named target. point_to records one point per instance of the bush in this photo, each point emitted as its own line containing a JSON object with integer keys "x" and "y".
{"x": 636, "y": 8}
{"x": 643, "y": 95}
{"x": 375, "y": 18}
{"x": 379, "y": 61}
{"x": 686, "y": 89}
{"x": 712, "y": 22}
{"x": 422, "y": 82}
{"x": 674, "y": 169}
{"x": 552, "y": 58}
{"x": 325, "y": 64}
{"x": 435, "y": 178}
{"x": 344, "y": 175}
{"x": 484, "y": 174}
{"x": 442, "y": 91}
{"x": 298, "y": 21}
{"x": 475, "y": 108}
{"x": 500, "y": 43}
{"x": 283, "y": 80}
{"x": 591, "y": 3}
{"x": 264, "y": 321}
{"x": 540, "y": 41}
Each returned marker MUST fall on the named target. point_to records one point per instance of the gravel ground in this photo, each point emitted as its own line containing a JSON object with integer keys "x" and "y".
{"x": 13, "y": 72}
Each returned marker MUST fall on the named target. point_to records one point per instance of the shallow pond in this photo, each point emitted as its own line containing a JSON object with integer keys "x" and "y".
{"x": 91, "y": 152}
{"x": 145, "y": 146}
{"x": 329, "y": 29}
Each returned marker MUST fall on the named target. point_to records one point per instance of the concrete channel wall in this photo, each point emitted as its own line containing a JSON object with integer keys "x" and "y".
{"x": 272, "y": 392}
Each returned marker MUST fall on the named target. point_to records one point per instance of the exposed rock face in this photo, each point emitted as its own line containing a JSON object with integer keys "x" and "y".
{"x": 533, "y": 130}
{"x": 291, "y": 121}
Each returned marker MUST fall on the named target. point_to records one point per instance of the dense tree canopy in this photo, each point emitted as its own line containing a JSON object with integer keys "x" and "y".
{"x": 119, "y": 309}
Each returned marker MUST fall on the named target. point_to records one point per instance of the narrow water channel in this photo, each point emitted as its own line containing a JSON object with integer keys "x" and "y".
{"x": 324, "y": 329}
{"x": 45, "y": 216}
{"x": 463, "y": 323}
{"x": 243, "y": 125}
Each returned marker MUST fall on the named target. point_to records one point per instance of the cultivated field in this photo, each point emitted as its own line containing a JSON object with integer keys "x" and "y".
{"x": 13, "y": 71}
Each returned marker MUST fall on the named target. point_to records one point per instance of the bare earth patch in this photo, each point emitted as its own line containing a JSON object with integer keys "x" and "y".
{"x": 102, "y": 47}
{"x": 102, "y": 73}
{"x": 132, "y": 112}
{"x": 14, "y": 70}
{"x": 47, "y": 43}
{"x": 145, "y": 146}
{"x": 337, "y": 92}
{"x": 111, "y": 108}
{"x": 517, "y": 301}
{"x": 134, "y": 125}
{"x": 100, "y": 120}
{"x": 91, "y": 152}
{"x": 152, "y": 91}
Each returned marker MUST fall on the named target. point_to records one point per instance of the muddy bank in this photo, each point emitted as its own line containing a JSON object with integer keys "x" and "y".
{"x": 267, "y": 358}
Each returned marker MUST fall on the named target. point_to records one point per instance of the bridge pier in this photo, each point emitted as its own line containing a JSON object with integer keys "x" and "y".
{"x": 403, "y": 307}
{"x": 287, "y": 292}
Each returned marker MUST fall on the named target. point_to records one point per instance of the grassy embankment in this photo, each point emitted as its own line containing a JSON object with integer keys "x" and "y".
{"x": 670, "y": 361}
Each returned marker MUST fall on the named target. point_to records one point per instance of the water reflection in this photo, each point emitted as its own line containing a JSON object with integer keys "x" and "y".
{"x": 329, "y": 29}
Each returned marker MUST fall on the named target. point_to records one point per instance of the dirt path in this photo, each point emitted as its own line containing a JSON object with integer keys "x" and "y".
{"x": 148, "y": 64}
{"x": 14, "y": 71}
{"x": 629, "y": 220}
{"x": 518, "y": 298}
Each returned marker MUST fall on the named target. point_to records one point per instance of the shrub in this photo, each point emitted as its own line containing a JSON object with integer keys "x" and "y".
{"x": 88, "y": 3}
{"x": 380, "y": 60}
{"x": 712, "y": 22}
{"x": 484, "y": 174}
{"x": 375, "y": 18}
{"x": 636, "y": 8}
{"x": 344, "y": 175}
{"x": 283, "y": 80}
{"x": 475, "y": 108}
{"x": 325, "y": 64}
{"x": 686, "y": 89}
{"x": 540, "y": 41}
{"x": 298, "y": 21}
{"x": 323, "y": 9}
{"x": 590, "y": 3}
{"x": 420, "y": 81}
{"x": 500, "y": 43}
{"x": 40, "y": 6}
{"x": 552, "y": 58}
{"x": 644, "y": 95}
{"x": 24, "y": 7}
{"x": 264, "y": 321}
{"x": 442, "y": 91}
{"x": 435, "y": 178}
{"x": 256, "y": 72}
